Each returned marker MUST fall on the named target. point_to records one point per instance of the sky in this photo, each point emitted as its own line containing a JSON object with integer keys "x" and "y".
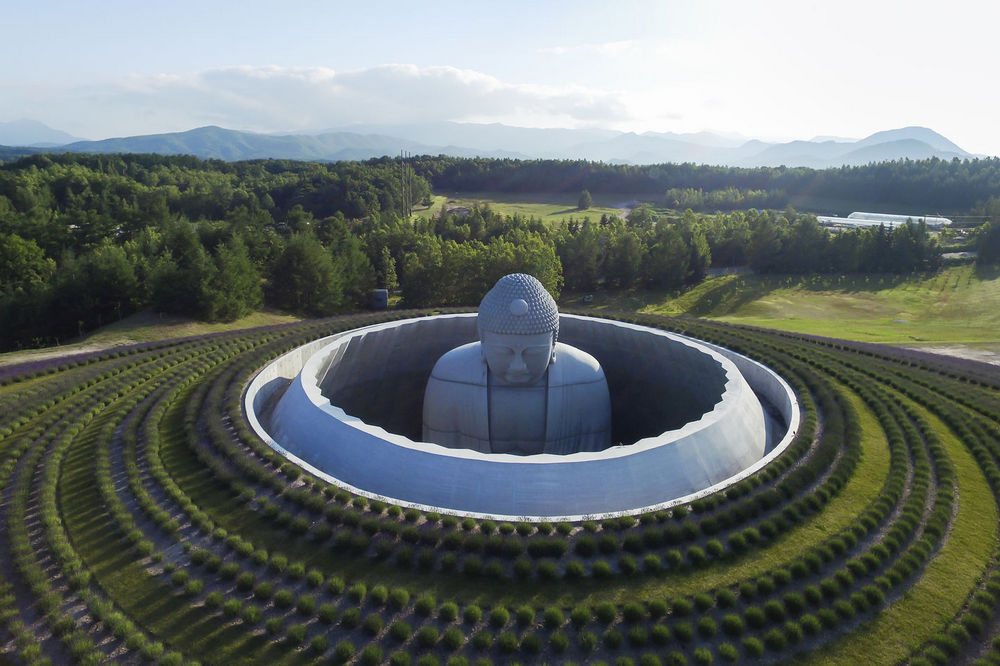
{"x": 773, "y": 70}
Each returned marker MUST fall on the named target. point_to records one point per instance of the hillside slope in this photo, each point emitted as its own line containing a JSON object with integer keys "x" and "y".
{"x": 958, "y": 305}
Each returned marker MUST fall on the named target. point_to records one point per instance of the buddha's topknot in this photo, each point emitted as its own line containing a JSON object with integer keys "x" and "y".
{"x": 518, "y": 304}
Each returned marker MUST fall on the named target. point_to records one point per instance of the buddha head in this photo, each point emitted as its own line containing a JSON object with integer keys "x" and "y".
{"x": 518, "y": 324}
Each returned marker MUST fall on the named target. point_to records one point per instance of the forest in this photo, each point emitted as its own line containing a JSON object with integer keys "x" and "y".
{"x": 88, "y": 239}
{"x": 956, "y": 186}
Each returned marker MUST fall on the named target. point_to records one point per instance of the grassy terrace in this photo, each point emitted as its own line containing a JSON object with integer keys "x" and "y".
{"x": 141, "y": 521}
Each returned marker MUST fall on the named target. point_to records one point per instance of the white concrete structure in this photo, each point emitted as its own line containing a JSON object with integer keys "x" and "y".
{"x": 890, "y": 220}
{"x": 686, "y": 414}
{"x": 517, "y": 390}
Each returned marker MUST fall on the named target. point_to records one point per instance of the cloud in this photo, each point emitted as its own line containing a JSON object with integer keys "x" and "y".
{"x": 301, "y": 98}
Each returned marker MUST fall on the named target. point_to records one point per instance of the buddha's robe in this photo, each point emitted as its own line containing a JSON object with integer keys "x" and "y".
{"x": 567, "y": 411}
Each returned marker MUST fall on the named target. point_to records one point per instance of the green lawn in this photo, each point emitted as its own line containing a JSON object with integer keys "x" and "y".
{"x": 548, "y": 207}
{"x": 957, "y": 305}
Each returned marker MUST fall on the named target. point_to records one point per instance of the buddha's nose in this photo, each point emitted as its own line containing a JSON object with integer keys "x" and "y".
{"x": 517, "y": 364}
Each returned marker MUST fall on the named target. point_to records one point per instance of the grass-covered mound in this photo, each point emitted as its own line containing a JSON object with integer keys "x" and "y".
{"x": 140, "y": 520}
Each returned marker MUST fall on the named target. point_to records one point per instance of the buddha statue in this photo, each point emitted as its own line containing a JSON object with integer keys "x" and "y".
{"x": 518, "y": 390}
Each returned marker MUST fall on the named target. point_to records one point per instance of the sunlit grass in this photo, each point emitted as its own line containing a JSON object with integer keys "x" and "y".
{"x": 939, "y": 594}
{"x": 548, "y": 207}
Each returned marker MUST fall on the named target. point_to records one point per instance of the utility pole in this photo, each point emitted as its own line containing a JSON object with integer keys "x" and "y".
{"x": 405, "y": 186}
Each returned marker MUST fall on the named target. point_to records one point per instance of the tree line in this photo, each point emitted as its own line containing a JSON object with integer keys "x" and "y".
{"x": 954, "y": 185}
{"x": 88, "y": 239}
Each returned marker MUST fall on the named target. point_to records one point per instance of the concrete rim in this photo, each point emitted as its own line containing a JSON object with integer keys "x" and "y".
{"x": 318, "y": 352}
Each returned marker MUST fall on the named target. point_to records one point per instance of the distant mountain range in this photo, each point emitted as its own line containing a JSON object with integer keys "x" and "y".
{"x": 26, "y": 132}
{"x": 359, "y": 142}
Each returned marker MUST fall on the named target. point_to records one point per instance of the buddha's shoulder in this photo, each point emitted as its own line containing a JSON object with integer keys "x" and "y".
{"x": 461, "y": 364}
{"x": 576, "y": 366}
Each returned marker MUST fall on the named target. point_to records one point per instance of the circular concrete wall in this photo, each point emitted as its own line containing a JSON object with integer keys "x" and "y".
{"x": 686, "y": 419}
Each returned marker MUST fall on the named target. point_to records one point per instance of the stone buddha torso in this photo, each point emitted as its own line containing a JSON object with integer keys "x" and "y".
{"x": 517, "y": 390}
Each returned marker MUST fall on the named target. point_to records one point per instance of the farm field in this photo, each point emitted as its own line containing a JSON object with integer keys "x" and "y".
{"x": 143, "y": 522}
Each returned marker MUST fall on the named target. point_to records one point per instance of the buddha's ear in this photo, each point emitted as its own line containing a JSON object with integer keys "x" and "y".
{"x": 552, "y": 358}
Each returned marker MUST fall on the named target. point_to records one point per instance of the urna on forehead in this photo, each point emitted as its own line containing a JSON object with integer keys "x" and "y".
{"x": 518, "y": 305}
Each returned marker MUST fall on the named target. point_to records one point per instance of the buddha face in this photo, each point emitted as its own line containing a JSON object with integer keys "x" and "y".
{"x": 518, "y": 360}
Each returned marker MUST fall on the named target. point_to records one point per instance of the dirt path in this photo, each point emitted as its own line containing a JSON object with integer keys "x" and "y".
{"x": 29, "y": 355}
{"x": 991, "y": 356}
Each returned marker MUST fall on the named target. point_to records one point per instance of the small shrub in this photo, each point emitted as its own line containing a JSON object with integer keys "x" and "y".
{"x": 755, "y": 617}
{"x": 399, "y": 597}
{"x": 427, "y": 636}
{"x": 660, "y": 634}
{"x": 752, "y": 646}
{"x": 379, "y": 594}
{"x": 232, "y": 608}
{"x": 371, "y": 655}
{"x": 810, "y": 624}
{"x": 318, "y": 644}
{"x": 357, "y": 592}
{"x": 472, "y": 614}
{"x": 350, "y": 618}
{"x": 706, "y": 626}
{"x": 507, "y": 642}
{"x": 343, "y": 651}
{"x": 732, "y": 624}
{"x": 775, "y": 640}
{"x": 482, "y": 640}
{"x": 580, "y": 616}
{"x": 400, "y": 631}
{"x": 553, "y": 618}
{"x": 448, "y": 611}
{"x": 284, "y": 598}
{"x": 306, "y": 604}
{"x": 559, "y": 642}
{"x": 327, "y": 613}
{"x": 252, "y": 614}
{"x": 633, "y": 611}
{"x": 637, "y": 636}
{"x": 373, "y": 624}
{"x": 606, "y": 612}
{"x": 453, "y": 638}
{"x": 296, "y": 634}
{"x": 728, "y": 652}
{"x": 499, "y": 616}
{"x": 424, "y": 605}
{"x": 531, "y": 643}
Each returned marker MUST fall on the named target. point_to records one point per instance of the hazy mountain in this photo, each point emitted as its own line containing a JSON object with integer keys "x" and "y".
{"x": 703, "y": 138}
{"x": 912, "y": 148}
{"x": 217, "y": 143}
{"x": 494, "y": 140}
{"x": 26, "y": 132}
{"x": 492, "y": 137}
{"x": 922, "y": 134}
